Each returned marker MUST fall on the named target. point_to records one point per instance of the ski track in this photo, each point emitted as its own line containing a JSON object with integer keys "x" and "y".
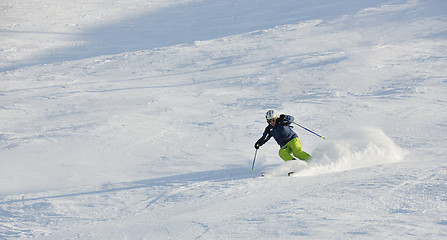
{"x": 189, "y": 201}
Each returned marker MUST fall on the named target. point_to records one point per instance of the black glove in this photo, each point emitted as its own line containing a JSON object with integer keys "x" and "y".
{"x": 257, "y": 145}
{"x": 281, "y": 118}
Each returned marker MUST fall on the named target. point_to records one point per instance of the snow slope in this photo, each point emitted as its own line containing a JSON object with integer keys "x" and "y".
{"x": 137, "y": 119}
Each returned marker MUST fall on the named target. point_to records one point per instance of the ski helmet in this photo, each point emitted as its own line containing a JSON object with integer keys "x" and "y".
{"x": 271, "y": 114}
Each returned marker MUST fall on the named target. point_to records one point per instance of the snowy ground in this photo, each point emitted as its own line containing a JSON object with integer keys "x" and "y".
{"x": 137, "y": 119}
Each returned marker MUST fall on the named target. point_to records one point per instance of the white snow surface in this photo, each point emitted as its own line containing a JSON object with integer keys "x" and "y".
{"x": 137, "y": 119}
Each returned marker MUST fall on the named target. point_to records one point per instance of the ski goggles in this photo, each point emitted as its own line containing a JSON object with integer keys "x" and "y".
{"x": 271, "y": 120}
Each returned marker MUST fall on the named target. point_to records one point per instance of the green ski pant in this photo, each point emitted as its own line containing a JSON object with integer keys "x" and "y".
{"x": 293, "y": 146}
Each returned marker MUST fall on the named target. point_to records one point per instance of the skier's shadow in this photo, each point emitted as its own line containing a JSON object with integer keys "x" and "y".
{"x": 222, "y": 175}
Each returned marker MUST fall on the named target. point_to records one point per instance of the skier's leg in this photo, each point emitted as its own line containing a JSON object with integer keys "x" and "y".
{"x": 302, "y": 155}
{"x": 285, "y": 152}
{"x": 295, "y": 146}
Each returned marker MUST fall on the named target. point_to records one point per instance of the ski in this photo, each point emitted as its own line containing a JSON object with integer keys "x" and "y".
{"x": 264, "y": 174}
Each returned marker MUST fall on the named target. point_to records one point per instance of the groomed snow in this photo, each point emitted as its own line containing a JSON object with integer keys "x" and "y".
{"x": 137, "y": 119}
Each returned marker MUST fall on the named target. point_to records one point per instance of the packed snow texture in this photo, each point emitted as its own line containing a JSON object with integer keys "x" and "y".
{"x": 137, "y": 119}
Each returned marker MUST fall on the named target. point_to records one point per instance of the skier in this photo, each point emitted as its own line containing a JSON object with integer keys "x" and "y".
{"x": 284, "y": 135}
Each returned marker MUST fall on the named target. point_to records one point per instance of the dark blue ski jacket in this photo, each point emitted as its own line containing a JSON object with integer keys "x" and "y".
{"x": 281, "y": 132}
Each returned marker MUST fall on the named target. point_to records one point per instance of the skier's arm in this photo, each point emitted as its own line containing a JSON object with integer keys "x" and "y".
{"x": 286, "y": 119}
{"x": 265, "y": 137}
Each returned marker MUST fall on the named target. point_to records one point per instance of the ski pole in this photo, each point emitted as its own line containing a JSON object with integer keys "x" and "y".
{"x": 309, "y": 130}
{"x": 254, "y": 159}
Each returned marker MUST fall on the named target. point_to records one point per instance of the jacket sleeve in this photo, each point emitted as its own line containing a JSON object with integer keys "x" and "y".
{"x": 265, "y": 137}
{"x": 286, "y": 119}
